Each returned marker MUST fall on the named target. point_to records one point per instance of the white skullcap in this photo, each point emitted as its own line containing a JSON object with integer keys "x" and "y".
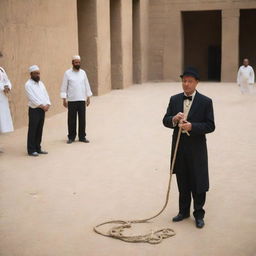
{"x": 76, "y": 57}
{"x": 33, "y": 68}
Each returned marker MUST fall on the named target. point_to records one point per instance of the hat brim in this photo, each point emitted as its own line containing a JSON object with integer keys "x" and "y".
{"x": 190, "y": 74}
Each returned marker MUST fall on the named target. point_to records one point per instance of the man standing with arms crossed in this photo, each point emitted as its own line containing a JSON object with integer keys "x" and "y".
{"x": 193, "y": 113}
{"x": 76, "y": 93}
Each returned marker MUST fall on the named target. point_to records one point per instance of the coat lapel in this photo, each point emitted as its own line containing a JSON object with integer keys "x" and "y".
{"x": 180, "y": 103}
{"x": 194, "y": 106}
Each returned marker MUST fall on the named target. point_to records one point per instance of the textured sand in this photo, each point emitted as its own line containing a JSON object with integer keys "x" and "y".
{"x": 50, "y": 204}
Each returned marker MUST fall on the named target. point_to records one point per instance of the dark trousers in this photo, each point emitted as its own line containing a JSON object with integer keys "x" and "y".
{"x": 76, "y": 108}
{"x": 185, "y": 201}
{"x": 187, "y": 184}
{"x": 35, "y": 129}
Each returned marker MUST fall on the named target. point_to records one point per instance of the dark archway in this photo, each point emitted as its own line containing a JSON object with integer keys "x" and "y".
{"x": 202, "y": 43}
{"x": 247, "y": 36}
{"x": 86, "y": 39}
{"x": 136, "y": 41}
{"x": 116, "y": 44}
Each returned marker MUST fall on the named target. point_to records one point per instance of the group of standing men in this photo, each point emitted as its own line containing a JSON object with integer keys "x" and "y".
{"x": 75, "y": 92}
{"x": 190, "y": 114}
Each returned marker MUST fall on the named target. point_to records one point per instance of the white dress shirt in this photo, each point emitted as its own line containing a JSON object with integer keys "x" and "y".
{"x": 36, "y": 93}
{"x": 186, "y": 107}
{"x": 187, "y": 104}
{"x": 75, "y": 86}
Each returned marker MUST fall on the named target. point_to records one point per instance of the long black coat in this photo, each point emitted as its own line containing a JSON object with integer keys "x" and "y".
{"x": 192, "y": 150}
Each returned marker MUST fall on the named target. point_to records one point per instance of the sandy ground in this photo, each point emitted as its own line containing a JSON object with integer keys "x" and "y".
{"x": 50, "y": 204}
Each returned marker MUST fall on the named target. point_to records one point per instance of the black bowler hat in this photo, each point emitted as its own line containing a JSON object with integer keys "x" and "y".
{"x": 190, "y": 71}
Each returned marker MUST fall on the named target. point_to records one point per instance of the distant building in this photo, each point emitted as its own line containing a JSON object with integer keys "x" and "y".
{"x": 122, "y": 42}
{"x": 213, "y": 35}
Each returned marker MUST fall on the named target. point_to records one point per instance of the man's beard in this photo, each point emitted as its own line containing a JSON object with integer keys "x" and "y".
{"x": 77, "y": 67}
{"x": 36, "y": 79}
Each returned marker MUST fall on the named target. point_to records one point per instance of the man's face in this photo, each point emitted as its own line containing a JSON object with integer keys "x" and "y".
{"x": 76, "y": 64}
{"x": 35, "y": 76}
{"x": 246, "y": 62}
{"x": 189, "y": 84}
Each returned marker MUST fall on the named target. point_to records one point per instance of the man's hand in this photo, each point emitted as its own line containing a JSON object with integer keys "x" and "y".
{"x": 178, "y": 117}
{"x": 46, "y": 107}
{"x": 88, "y": 101}
{"x": 185, "y": 125}
{"x": 6, "y": 90}
{"x": 65, "y": 104}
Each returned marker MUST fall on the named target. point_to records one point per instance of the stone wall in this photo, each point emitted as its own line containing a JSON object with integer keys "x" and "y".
{"x": 42, "y": 32}
{"x": 112, "y": 42}
{"x": 121, "y": 42}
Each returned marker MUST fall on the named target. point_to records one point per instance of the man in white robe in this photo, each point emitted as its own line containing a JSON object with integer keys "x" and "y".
{"x": 6, "y": 124}
{"x": 245, "y": 77}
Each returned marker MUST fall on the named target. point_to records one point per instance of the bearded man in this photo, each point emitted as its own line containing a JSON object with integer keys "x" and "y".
{"x": 76, "y": 93}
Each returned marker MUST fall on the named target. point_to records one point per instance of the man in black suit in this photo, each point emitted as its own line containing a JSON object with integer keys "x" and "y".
{"x": 193, "y": 113}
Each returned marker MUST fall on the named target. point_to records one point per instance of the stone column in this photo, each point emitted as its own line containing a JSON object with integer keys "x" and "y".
{"x": 173, "y": 46}
{"x": 121, "y": 43}
{"x": 94, "y": 43}
{"x": 230, "y": 45}
{"x": 140, "y": 40}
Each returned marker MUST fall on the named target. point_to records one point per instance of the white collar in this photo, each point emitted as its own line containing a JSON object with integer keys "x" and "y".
{"x": 193, "y": 94}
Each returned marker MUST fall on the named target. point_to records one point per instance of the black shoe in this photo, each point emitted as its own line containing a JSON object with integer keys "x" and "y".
{"x": 42, "y": 152}
{"x": 33, "y": 154}
{"x": 180, "y": 217}
{"x": 199, "y": 223}
{"x": 84, "y": 140}
{"x": 69, "y": 141}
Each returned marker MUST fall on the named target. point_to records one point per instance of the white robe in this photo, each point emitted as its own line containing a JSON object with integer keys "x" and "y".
{"x": 6, "y": 124}
{"x": 245, "y": 79}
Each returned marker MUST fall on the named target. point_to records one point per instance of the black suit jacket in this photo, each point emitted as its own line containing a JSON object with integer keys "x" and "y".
{"x": 192, "y": 151}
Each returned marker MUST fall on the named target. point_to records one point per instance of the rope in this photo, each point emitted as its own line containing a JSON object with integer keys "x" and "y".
{"x": 154, "y": 237}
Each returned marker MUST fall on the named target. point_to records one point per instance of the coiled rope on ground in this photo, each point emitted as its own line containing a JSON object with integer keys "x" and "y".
{"x": 154, "y": 237}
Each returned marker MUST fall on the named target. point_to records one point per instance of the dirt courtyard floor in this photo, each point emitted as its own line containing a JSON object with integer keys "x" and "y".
{"x": 50, "y": 204}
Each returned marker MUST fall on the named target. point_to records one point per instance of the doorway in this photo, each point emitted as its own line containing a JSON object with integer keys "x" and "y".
{"x": 116, "y": 45}
{"x": 136, "y": 41}
{"x": 86, "y": 32}
{"x": 247, "y": 36}
{"x": 202, "y": 43}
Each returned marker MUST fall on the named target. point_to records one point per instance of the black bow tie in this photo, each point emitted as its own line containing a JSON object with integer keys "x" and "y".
{"x": 187, "y": 97}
